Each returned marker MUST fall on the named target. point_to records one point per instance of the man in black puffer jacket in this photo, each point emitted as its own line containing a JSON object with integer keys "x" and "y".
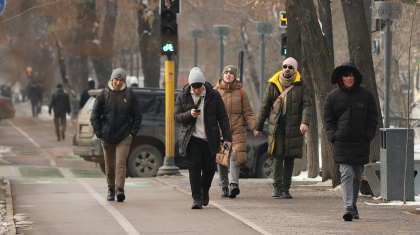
{"x": 200, "y": 111}
{"x": 351, "y": 120}
{"x": 116, "y": 119}
{"x": 60, "y": 102}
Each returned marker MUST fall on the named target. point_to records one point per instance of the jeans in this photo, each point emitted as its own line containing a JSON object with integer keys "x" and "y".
{"x": 351, "y": 180}
{"x": 235, "y": 170}
{"x": 282, "y": 166}
{"x": 116, "y": 162}
{"x": 201, "y": 166}
{"x": 60, "y": 124}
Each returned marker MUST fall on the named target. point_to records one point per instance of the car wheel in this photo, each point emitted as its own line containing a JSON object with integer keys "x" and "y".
{"x": 144, "y": 161}
{"x": 102, "y": 166}
{"x": 265, "y": 166}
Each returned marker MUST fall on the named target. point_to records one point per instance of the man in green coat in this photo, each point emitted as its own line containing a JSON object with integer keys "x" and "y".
{"x": 287, "y": 105}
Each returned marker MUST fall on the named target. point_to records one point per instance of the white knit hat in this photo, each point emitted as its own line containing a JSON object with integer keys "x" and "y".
{"x": 196, "y": 76}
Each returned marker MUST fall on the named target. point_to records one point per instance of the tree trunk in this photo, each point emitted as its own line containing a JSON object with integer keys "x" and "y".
{"x": 102, "y": 59}
{"x": 149, "y": 44}
{"x": 360, "y": 49}
{"x": 320, "y": 63}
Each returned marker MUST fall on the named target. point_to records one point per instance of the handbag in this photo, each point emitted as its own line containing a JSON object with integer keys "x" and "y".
{"x": 222, "y": 158}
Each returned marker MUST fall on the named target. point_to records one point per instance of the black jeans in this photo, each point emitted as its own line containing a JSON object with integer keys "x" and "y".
{"x": 201, "y": 166}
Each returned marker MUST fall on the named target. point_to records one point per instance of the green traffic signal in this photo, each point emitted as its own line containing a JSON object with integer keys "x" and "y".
{"x": 284, "y": 51}
{"x": 168, "y": 47}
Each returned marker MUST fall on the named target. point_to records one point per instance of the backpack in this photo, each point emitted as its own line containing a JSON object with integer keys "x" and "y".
{"x": 127, "y": 97}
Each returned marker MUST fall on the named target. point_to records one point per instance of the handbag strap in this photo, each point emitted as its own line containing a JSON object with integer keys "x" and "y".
{"x": 282, "y": 94}
{"x": 347, "y": 106}
{"x": 199, "y": 102}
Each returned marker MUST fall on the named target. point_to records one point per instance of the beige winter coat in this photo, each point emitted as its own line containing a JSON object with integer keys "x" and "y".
{"x": 240, "y": 113}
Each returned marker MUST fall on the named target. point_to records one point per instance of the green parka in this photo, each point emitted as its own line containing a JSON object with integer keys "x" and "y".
{"x": 298, "y": 111}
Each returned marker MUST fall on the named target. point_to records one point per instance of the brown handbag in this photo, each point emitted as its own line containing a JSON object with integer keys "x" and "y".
{"x": 222, "y": 158}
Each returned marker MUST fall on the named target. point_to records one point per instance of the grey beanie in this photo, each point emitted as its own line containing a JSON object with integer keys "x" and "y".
{"x": 196, "y": 76}
{"x": 119, "y": 73}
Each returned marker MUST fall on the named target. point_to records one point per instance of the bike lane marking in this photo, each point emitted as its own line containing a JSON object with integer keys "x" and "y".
{"x": 222, "y": 208}
{"x": 125, "y": 224}
{"x": 24, "y": 134}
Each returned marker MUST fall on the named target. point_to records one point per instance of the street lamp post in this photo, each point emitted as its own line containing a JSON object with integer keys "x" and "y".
{"x": 195, "y": 33}
{"x": 220, "y": 31}
{"x": 262, "y": 28}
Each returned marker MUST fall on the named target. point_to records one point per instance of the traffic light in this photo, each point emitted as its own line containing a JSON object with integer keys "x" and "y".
{"x": 169, "y": 27}
{"x": 284, "y": 43}
{"x": 283, "y": 19}
{"x": 29, "y": 72}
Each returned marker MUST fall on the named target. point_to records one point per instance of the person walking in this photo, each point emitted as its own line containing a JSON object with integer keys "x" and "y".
{"x": 116, "y": 119}
{"x": 287, "y": 105}
{"x": 35, "y": 96}
{"x": 351, "y": 120}
{"x": 60, "y": 102}
{"x": 200, "y": 111}
{"x": 85, "y": 94}
{"x": 240, "y": 113}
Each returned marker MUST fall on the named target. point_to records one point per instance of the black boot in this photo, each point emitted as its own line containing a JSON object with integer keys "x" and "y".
{"x": 276, "y": 190}
{"x": 63, "y": 136}
{"x": 234, "y": 190}
{"x": 348, "y": 214}
{"x": 225, "y": 192}
{"x": 197, "y": 204}
{"x": 120, "y": 195}
{"x": 206, "y": 199}
{"x": 111, "y": 195}
{"x": 58, "y": 138}
{"x": 355, "y": 213}
{"x": 286, "y": 194}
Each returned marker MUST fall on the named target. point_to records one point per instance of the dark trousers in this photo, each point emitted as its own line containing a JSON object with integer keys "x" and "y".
{"x": 201, "y": 166}
{"x": 60, "y": 124}
{"x": 35, "y": 108}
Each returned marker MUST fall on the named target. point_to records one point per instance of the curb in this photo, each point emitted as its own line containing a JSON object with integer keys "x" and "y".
{"x": 9, "y": 208}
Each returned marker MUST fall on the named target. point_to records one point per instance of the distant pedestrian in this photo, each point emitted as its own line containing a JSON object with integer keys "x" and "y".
{"x": 240, "y": 113}
{"x": 200, "y": 111}
{"x": 134, "y": 82}
{"x": 60, "y": 102}
{"x": 35, "y": 96}
{"x": 116, "y": 119}
{"x": 41, "y": 91}
{"x": 85, "y": 95}
{"x": 287, "y": 105}
{"x": 351, "y": 120}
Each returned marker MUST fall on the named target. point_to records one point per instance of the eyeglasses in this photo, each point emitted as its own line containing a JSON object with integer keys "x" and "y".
{"x": 285, "y": 66}
{"x": 196, "y": 85}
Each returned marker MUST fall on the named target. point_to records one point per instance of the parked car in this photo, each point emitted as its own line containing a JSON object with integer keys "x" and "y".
{"x": 148, "y": 147}
{"x": 7, "y": 108}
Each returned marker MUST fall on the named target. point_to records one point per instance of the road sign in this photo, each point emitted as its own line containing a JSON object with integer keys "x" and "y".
{"x": 221, "y": 30}
{"x": 388, "y": 10}
{"x": 283, "y": 19}
{"x": 195, "y": 33}
{"x": 263, "y": 28}
{"x": 2, "y": 6}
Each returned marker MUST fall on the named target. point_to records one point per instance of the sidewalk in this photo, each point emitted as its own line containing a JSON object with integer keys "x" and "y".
{"x": 315, "y": 208}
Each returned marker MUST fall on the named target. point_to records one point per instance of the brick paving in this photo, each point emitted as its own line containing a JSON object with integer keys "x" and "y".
{"x": 315, "y": 209}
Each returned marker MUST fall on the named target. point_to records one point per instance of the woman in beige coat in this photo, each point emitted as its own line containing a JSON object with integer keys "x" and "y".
{"x": 240, "y": 113}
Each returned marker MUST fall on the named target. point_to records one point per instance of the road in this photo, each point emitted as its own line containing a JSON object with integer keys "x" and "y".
{"x": 55, "y": 192}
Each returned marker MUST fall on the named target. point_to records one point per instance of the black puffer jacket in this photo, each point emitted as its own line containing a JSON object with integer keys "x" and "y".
{"x": 353, "y": 131}
{"x": 111, "y": 118}
{"x": 60, "y": 102}
{"x": 214, "y": 115}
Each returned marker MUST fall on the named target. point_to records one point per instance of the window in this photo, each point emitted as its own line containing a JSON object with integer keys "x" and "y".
{"x": 147, "y": 104}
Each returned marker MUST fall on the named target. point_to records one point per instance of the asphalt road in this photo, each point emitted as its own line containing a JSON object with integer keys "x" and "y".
{"x": 55, "y": 192}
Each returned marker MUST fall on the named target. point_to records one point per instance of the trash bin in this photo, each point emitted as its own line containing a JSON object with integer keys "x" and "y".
{"x": 392, "y": 154}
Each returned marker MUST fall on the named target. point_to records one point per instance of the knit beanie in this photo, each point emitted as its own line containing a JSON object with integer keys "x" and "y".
{"x": 291, "y": 61}
{"x": 119, "y": 73}
{"x": 133, "y": 80}
{"x": 232, "y": 69}
{"x": 196, "y": 76}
